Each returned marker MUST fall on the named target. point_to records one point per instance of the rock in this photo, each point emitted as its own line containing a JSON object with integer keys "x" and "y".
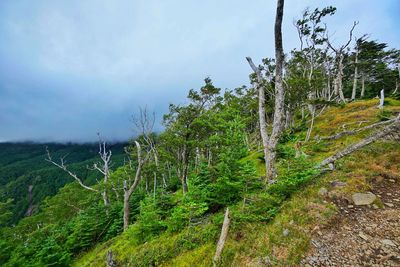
{"x": 285, "y": 232}
{"x": 392, "y": 180}
{"x": 388, "y": 242}
{"x": 396, "y": 199}
{"x": 338, "y": 184}
{"x": 360, "y": 199}
{"x": 390, "y": 205}
{"x": 350, "y": 206}
{"x": 363, "y": 236}
{"x": 375, "y": 206}
{"x": 323, "y": 191}
{"x": 389, "y": 194}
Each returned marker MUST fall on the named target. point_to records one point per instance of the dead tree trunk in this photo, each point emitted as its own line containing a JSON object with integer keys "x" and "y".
{"x": 270, "y": 142}
{"x": 387, "y": 131}
{"x": 222, "y": 238}
{"x": 110, "y": 259}
{"x": 353, "y": 93}
{"x": 129, "y": 189}
{"x": 279, "y": 94}
{"x": 382, "y": 99}
{"x": 362, "y": 85}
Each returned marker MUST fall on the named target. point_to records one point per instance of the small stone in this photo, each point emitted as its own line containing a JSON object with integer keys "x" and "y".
{"x": 392, "y": 180}
{"x": 285, "y": 232}
{"x": 360, "y": 199}
{"x": 390, "y": 205}
{"x": 323, "y": 191}
{"x": 363, "y": 236}
{"x": 375, "y": 206}
{"x": 388, "y": 242}
{"x": 338, "y": 184}
{"x": 396, "y": 199}
{"x": 350, "y": 206}
{"x": 389, "y": 194}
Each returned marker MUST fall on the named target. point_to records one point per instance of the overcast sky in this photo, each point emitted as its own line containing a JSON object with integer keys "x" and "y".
{"x": 72, "y": 68}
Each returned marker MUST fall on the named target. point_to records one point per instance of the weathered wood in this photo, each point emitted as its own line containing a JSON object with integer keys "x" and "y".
{"x": 222, "y": 238}
{"x": 382, "y": 99}
{"x": 110, "y": 259}
{"x": 392, "y": 129}
{"x": 353, "y": 93}
{"x": 352, "y": 132}
{"x": 128, "y": 190}
{"x": 277, "y": 125}
{"x": 261, "y": 107}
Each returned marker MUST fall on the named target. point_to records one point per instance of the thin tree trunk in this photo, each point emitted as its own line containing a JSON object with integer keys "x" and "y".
{"x": 362, "y": 86}
{"x": 126, "y": 209}
{"x": 312, "y": 110}
{"x": 353, "y": 93}
{"x": 340, "y": 79}
{"x": 222, "y": 238}
{"x": 110, "y": 259}
{"x": 382, "y": 99}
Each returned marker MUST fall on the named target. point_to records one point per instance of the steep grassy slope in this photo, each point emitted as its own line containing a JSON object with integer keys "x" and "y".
{"x": 23, "y": 164}
{"x": 284, "y": 236}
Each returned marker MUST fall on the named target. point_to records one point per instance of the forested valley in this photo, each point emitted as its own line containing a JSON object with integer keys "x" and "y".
{"x": 257, "y": 175}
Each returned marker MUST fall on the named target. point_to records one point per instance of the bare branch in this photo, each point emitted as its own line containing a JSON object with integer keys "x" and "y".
{"x": 62, "y": 166}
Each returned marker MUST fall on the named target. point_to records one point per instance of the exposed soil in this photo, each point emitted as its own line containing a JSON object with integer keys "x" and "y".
{"x": 361, "y": 235}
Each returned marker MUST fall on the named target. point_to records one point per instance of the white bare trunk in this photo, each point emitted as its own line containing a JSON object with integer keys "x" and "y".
{"x": 222, "y": 238}
{"x": 353, "y": 93}
{"x": 362, "y": 86}
{"x": 382, "y": 99}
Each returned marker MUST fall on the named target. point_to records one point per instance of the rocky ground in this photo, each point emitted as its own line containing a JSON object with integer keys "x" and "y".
{"x": 360, "y": 235}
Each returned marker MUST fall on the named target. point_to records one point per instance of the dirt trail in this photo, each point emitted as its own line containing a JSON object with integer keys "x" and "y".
{"x": 361, "y": 235}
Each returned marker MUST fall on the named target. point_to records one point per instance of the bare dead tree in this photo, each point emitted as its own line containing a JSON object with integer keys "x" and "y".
{"x": 339, "y": 56}
{"x": 102, "y": 167}
{"x": 270, "y": 142}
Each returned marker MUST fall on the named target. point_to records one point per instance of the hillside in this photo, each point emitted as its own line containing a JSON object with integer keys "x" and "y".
{"x": 310, "y": 221}
{"x": 23, "y": 165}
{"x": 298, "y": 166}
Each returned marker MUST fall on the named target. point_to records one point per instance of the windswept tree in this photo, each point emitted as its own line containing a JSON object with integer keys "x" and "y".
{"x": 184, "y": 128}
{"x": 270, "y": 141}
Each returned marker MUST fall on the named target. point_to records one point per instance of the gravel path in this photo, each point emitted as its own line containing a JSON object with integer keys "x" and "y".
{"x": 361, "y": 235}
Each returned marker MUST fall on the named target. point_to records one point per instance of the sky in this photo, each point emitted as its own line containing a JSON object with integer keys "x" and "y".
{"x": 70, "y": 69}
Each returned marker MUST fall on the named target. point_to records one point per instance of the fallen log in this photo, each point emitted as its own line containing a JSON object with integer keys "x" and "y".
{"x": 352, "y": 132}
{"x": 390, "y": 131}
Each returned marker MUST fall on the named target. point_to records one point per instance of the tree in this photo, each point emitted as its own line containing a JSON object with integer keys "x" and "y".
{"x": 270, "y": 142}
{"x": 103, "y": 168}
{"x": 183, "y": 128}
{"x": 339, "y": 57}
